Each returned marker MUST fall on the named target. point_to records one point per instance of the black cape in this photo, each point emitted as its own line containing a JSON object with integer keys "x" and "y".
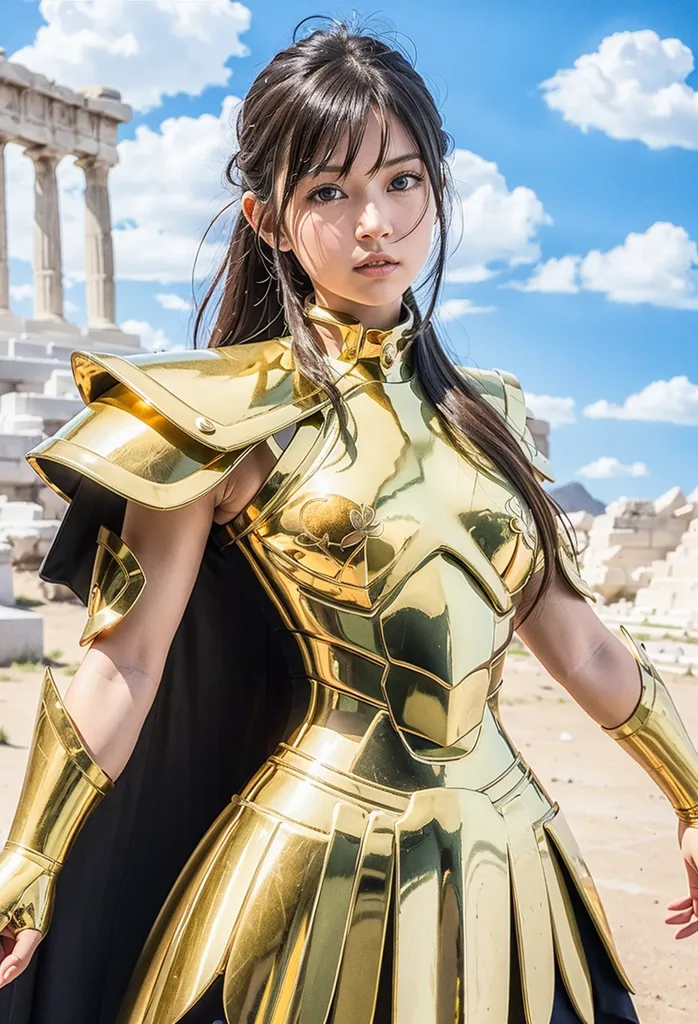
{"x": 225, "y": 699}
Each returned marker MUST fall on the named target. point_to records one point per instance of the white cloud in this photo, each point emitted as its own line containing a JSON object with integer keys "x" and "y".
{"x": 168, "y": 300}
{"x": 667, "y": 401}
{"x": 166, "y": 190}
{"x": 491, "y": 224}
{"x": 21, "y": 292}
{"x": 555, "y": 275}
{"x": 658, "y": 266}
{"x": 607, "y": 467}
{"x": 146, "y": 50}
{"x": 633, "y": 87}
{"x": 454, "y": 309}
{"x": 557, "y": 411}
{"x": 468, "y": 275}
{"x": 152, "y": 338}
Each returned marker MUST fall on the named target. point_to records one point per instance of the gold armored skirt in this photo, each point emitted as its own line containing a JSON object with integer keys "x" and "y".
{"x": 289, "y": 893}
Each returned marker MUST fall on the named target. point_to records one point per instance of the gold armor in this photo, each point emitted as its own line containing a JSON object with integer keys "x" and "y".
{"x": 656, "y": 738}
{"x": 62, "y": 786}
{"x": 398, "y": 563}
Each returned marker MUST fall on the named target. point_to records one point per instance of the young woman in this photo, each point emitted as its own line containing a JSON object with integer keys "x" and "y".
{"x": 323, "y": 482}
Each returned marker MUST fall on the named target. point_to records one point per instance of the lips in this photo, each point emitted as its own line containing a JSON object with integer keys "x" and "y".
{"x": 377, "y": 260}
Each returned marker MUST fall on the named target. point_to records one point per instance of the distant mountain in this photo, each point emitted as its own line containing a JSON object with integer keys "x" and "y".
{"x": 575, "y": 497}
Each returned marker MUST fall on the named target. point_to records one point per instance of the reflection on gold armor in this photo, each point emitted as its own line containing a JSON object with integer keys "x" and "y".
{"x": 117, "y": 583}
{"x": 398, "y": 563}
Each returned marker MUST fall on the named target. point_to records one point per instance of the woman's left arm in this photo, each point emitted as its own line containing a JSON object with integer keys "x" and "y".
{"x": 580, "y": 652}
{"x": 623, "y": 692}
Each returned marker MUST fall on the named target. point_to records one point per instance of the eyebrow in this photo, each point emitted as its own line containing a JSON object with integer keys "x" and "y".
{"x": 336, "y": 168}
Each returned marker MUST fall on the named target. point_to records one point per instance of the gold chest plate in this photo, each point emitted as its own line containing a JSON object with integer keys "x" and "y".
{"x": 395, "y": 559}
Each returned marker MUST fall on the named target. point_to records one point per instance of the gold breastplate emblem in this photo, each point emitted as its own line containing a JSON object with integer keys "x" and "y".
{"x": 337, "y": 522}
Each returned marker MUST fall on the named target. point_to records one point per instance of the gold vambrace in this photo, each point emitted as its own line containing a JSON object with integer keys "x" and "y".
{"x": 656, "y": 738}
{"x": 62, "y": 786}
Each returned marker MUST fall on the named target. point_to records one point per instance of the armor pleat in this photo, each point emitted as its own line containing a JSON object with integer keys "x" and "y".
{"x": 330, "y": 918}
{"x": 267, "y": 949}
{"x": 566, "y": 845}
{"x": 357, "y": 986}
{"x": 453, "y": 921}
{"x": 187, "y": 944}
{"x": 568, "y": 943}
{"x": 531, "y": 914}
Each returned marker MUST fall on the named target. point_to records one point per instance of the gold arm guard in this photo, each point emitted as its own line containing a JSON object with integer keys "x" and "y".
{"x": 117, "y": 583}
{"x": 656, "y": 738}
{"x": 62, "y": 786}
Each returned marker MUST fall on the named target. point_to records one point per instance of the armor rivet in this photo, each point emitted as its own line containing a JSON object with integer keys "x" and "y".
{"x": 388, "y": 354}
{"x": 205, "y": 425}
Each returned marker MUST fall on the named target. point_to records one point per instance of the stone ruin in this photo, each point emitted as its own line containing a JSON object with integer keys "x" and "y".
{"x": 582, "y": 523}
{"x": 37, "y": 393}
{"x": 623, "y": 546}
{"x": 669, "y": 591}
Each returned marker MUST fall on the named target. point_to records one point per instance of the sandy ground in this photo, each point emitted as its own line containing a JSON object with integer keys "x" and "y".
{"x": 625, "y": 827}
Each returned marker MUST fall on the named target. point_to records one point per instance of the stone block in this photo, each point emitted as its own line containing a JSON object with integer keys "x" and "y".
{"x": 7, "y": 593}
{"x": 15, "y": 446}
{"x": 21, "y": 635}
{"x": 48, "y": 407}
{"x": 17, "y": 473}
{"x": 19, "y": 512}
{"x": 26, "y": 371}
{"x": 61, "y": 384}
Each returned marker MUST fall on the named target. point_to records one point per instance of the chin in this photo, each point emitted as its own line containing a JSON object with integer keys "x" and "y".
{"x": 378, "y": 293}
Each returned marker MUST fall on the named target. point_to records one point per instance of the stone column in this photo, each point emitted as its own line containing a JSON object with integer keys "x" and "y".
{"x": 4, "y": 268}
{"x": 8, "y": 322}
{"x": 99, "y": 250}
{"x": 48, "y": 271}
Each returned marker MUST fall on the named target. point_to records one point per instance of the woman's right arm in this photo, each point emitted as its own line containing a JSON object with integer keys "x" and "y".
{"x": 113, "y": 689}
{"x": 111, "y": 693}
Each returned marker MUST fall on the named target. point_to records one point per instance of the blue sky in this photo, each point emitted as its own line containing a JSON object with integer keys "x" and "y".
{"x": 604, "y": 342}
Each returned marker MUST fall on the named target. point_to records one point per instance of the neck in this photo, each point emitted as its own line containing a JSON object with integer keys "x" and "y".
{"x": 380, "y": 318}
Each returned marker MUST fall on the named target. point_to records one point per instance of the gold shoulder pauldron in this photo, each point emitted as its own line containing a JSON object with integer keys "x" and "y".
{"x": 504, "y": 393}
{"x": 163, "y": 429}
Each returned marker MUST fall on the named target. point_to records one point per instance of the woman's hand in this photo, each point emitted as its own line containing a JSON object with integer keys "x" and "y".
{"x": 16, "y": 951}
{"x": 685, "y": 911}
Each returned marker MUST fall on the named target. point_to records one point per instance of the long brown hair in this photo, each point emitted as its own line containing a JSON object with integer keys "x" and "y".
{"x": 289, "y": 124}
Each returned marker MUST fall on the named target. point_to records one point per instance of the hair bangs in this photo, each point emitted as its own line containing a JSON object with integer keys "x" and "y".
{"x": 332, "y": 113}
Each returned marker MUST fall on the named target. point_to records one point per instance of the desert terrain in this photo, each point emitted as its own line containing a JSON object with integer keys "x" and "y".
{"x": 624, "y": 825}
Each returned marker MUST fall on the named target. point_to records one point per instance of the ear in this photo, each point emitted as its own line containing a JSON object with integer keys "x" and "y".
{"x": 255, "y": 212}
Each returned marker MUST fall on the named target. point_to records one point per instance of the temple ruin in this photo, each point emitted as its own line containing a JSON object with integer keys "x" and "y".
{"x": 37, "y": 393}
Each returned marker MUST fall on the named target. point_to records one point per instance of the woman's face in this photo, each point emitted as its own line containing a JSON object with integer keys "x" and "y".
{"x": 335, "y": 224}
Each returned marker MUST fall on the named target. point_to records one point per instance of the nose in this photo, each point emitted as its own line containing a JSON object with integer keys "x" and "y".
{"x": 372, "y": 223}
